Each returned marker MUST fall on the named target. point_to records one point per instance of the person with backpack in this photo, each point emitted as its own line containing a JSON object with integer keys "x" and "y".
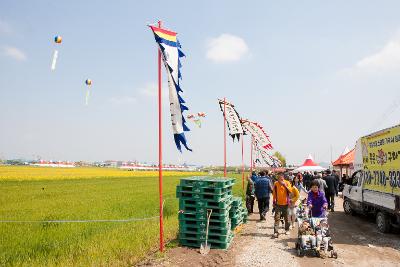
{"x": 262, "y": 190}
{"x": 281, "y": 199}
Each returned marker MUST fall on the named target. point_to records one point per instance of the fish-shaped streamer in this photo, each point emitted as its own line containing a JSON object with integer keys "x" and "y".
{"x": 232, "y": 119}
{"x": 257, "y": 131}
{"x": 171, "y": 54}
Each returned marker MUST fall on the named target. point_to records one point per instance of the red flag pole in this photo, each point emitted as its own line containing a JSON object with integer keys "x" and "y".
{"x": 160, "y": 169}
{"x": 224, "y": 137}
{"x": 242, "y": 162}
{"x": 251, "y": 155}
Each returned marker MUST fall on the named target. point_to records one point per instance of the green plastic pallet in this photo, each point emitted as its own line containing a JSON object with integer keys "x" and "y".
{"x": 203, "y": 230}
{"x": 203, "y": 216}
{"x": 191, "y": 209}
{"x": 189, "y": 217}
{"x": 236, "y": 222}
{"x": 196, "y": 244}
{"x": 236, "y": 216}
{"x": 205, "y": 181}
{"x": 204, "y": 190}
{"x": 203, "y": 224}
{"x": 196, "y": 196}
{"x": 202, "y": 237}
{"x": 233, "y": 212}
{"x": 237, "y": 201}
{"x": 202, "y": 203}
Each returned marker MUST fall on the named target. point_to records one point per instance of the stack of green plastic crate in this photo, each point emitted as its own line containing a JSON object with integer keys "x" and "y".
{"x": 238, "y": 212}
{"x": 196, "y": 196}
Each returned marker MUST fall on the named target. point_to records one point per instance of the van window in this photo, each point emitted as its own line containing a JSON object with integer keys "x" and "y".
{"x": 355, "y": 180}
{"x": 359, "y": 175}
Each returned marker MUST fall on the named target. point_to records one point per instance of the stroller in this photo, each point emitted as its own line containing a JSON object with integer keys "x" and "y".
{"x": 313, "y": 234}
{"x": 301, "y": 212}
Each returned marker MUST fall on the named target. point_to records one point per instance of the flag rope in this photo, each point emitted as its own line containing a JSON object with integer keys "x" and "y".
{"x": 83, "y": 221}
{"x": 90, "y": 221}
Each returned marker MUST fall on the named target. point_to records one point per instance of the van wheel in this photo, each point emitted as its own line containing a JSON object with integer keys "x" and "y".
{"x": 347, "y": 207}
{"x": 383, "y": 222}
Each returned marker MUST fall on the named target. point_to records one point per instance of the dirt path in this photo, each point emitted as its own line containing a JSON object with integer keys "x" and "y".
{"x": 355, "y": 238}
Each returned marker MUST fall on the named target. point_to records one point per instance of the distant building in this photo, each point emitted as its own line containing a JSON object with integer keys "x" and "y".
{"x": 60, "y": 164}
{"x": 112, "y": 163}
{"x": 148, "y": 167}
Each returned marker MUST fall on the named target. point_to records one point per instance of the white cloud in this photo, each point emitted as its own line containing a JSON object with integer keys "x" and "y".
{"x": 14, "y": 53}
{"x": 387, "y": 59}
{"x": 226, "y": 48}
{"x": 121, "y": 100}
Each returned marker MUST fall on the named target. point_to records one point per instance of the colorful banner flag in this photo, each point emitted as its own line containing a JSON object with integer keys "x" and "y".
{"x": 261, "y": 155}
{"x": 232, "y": 119}
{"x": 276, "y": 162}
{"x": 258, "y": 133}
{"x": 269, "y": 160}
{"x": 171, "y": 54}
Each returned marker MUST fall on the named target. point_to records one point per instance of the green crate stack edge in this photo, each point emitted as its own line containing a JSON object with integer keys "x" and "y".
{"x": 196, "y": 196}
{"x": 238, "y": 212}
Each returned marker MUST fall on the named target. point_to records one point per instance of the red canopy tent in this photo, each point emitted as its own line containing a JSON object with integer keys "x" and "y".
{"x": 309, "y": 165}
{"x": 345, "y": 161}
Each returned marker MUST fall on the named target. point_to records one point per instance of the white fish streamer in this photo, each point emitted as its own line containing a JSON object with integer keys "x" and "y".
{"x": 87, "y": 97}
{"x": 54, "y": 61}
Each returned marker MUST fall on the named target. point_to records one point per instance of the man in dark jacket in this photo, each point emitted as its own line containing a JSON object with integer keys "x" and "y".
{"x": 250, "y": 192}
{"x": 250, "y": 196}
{"x": 263, "y": 190}
{"x": 331, "y": 190}
{"x": 336, "y": 175}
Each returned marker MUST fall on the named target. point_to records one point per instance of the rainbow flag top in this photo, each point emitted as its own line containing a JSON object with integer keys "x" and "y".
{"x": 164, "y": 36}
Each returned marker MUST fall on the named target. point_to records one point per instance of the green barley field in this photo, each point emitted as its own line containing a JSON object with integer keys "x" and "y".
{"x": 37, "y": 194}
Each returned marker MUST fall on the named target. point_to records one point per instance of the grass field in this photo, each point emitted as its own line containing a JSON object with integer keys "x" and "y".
{"x": 34, "y": 193}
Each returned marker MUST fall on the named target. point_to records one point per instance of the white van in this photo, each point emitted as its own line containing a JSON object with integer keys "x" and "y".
{"x": 375, "y": 185}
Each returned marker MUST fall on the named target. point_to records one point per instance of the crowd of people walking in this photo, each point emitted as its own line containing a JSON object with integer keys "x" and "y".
{"x": 317, "y": 190}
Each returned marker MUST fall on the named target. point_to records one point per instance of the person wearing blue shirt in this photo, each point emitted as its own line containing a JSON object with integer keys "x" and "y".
{"x": 254, "y": 177}
{"x": 263, "y": 189}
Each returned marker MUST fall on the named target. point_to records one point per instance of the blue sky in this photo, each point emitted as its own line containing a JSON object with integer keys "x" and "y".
{"x": 315, "y": 74}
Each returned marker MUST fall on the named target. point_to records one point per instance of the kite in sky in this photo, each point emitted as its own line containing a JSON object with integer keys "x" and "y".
{"x": 88, "y": 83}
{"x": 57, "y": 41}
{"x": 197, "y": 120}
